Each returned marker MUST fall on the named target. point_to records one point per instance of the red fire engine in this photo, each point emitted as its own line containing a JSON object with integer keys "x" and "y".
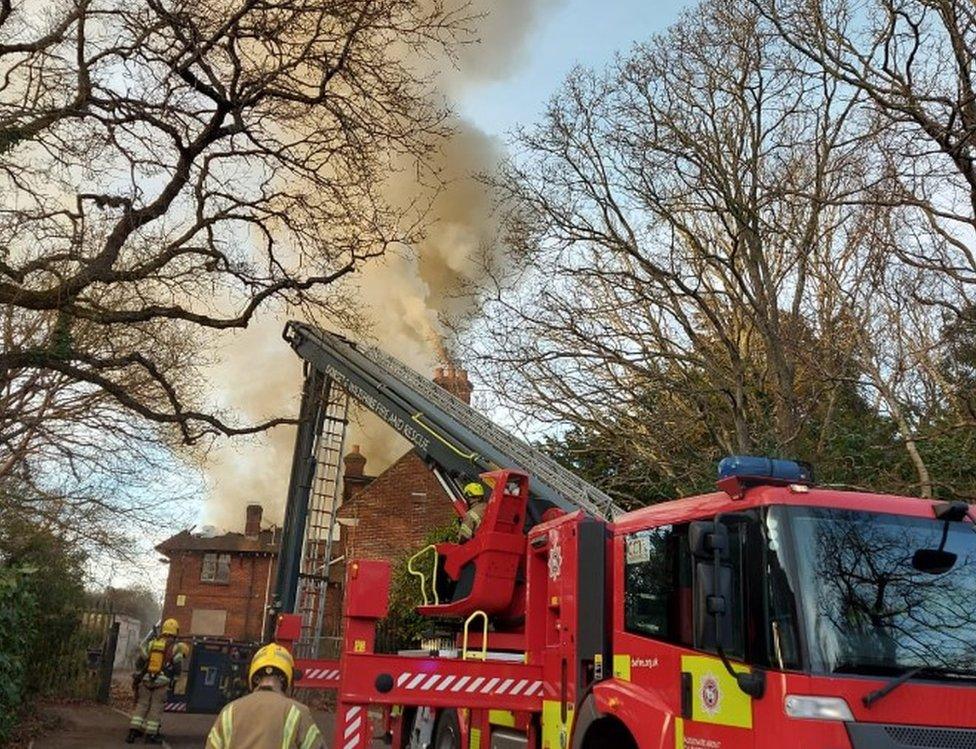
{"x": 770, "y": 613}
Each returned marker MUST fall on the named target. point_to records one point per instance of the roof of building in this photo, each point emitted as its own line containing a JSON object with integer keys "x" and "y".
{"x": 266, "y": 542}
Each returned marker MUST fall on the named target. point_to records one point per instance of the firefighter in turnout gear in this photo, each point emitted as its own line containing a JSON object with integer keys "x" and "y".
{"x": 267, "y": 718}
{"x": 474, "y": 493}
{"x": 160, "y": 661}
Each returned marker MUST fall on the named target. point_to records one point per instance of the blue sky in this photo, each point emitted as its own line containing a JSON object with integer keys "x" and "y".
{"x": 587, "y": 32}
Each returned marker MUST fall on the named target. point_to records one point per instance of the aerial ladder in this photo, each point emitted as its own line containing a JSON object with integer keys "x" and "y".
{"x": 458, "y": 444}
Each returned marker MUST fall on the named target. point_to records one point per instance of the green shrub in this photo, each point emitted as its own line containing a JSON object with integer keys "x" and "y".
{"x": 18, "y": 612}
{"x": 56, "y": 584}
{"x": 403, "y": 626}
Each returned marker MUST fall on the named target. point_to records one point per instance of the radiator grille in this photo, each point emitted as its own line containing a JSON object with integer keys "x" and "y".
{"x": 932, "y": 738}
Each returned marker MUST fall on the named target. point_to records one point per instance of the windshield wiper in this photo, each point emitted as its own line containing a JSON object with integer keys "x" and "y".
{"x": 872, "y": 697}
{"x": 945, "y": 673}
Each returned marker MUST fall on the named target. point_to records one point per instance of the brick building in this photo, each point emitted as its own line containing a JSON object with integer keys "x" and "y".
{"x": 394, "y": 512}
{"x": 221, "y": 585}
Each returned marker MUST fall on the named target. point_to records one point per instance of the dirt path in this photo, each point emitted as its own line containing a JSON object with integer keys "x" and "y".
{"x": 84, "y": 727}
{"x": 103, "y": 727}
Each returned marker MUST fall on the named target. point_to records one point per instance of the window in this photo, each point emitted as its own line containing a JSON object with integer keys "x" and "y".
{"x": 657, "y": 582}
{"x": 779, "y": 645}
{"x": 659, "y": 590}
{"x": 871, "y": 602}
{"x": 215, "y": 568}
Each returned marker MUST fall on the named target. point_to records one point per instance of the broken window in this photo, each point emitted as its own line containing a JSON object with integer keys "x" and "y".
{"x": 215, "y": 568}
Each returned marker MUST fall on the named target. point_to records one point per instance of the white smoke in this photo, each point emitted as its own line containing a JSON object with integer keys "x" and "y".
{"x": 403, "y": 296}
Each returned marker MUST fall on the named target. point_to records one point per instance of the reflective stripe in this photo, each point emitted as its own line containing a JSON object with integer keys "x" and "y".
{"x": 214, "y": 739}
{"x": 312, "y": 737}
{"x": 679, "y": 733}
{"x": 227, "y": 723}
{"x": 291, "y": 726}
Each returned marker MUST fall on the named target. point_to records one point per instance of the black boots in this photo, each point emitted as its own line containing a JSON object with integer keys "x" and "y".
{"x": 134, "y": 733}
{"x": 154, "y": 738}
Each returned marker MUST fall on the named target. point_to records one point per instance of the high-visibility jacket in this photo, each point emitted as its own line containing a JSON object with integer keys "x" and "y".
{"x": 471, "y": 520}
{"x": 265, "y": 718}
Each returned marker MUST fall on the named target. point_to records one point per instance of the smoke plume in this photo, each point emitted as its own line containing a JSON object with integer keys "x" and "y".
{"x": 403, "y": 297}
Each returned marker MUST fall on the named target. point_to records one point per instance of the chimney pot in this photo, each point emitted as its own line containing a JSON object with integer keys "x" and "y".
{"x": 455, "y": 381}
{"x": 252, "y": 520}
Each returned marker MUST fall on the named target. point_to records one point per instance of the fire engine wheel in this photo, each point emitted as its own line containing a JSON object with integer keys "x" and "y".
{"x": 448, "y": 733}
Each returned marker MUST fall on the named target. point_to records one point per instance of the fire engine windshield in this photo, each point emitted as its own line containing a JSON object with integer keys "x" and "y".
{"x": 880, "y": 593}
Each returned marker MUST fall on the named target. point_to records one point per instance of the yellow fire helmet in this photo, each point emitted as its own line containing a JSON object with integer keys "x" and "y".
{"x": 474, "y": 489}
{"x": 170, "y": 627}
{"x": 269, "y": 659}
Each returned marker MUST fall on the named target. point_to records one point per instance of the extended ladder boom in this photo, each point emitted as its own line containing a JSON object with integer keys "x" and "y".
{"x": 445, "y": 431}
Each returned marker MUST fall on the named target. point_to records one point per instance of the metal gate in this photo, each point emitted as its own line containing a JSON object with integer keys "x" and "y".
{"x": 82, "y": 664}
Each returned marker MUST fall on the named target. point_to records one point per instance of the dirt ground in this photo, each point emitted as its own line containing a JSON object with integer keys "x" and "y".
{"x": 87, "y": 726}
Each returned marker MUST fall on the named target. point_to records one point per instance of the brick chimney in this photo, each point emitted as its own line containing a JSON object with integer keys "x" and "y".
{"x": 252, "y": 521}
{"x": 455, "y": 381}
{"x": 354, "y": 478}
{"x": 355, "y": 462}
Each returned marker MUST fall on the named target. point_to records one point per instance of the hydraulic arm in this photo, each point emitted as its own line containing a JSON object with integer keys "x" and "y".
{"x": 447, "y": 433}
{"x": 457, "y": 442}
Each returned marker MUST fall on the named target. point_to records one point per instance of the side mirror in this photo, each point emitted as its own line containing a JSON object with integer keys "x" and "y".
{"x": 714, "y": 595}
{"x": 933, "y": 561}
{"x": 709, "y": 540}
{"x": 707, "y": 537}
{"x": 713, "y": 599}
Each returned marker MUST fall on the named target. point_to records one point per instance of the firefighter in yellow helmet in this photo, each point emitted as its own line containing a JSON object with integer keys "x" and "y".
{"x": 477, "y": 504}
{"x": 160, "y": 661}
{"x": 267, "y": 717}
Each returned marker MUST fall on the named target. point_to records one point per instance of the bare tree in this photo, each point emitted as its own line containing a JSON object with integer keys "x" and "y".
{"x": 171, "y": 167}
{"x": 915, "y": 61}
{"x": 678, "y": 220}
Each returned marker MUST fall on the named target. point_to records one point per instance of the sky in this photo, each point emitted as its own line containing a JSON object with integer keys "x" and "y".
{"x": 573, "y": 32}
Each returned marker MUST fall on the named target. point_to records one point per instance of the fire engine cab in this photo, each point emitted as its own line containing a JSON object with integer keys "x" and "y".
{"x": 769, "y": 613}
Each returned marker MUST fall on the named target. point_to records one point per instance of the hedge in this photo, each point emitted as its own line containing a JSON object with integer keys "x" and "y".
{"x": 18, "y": 615}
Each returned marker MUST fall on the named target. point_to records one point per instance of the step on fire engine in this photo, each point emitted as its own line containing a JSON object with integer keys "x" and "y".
{"x": 770, "y": 613}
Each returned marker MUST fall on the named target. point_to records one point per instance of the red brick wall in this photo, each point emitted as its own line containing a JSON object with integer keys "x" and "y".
{"x": 243, "y": 597}
{"x": 395, "y": 512}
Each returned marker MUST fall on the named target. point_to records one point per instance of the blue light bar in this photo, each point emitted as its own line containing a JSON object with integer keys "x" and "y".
{"x": 750, "y": 466}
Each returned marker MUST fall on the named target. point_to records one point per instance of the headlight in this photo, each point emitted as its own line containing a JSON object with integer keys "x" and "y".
{"x": 817, "y": 708}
